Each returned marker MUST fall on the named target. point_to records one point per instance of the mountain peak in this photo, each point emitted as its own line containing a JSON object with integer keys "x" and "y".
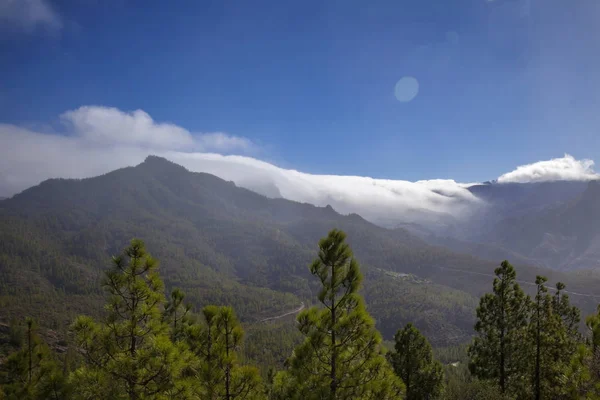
{"x": 156, "y": 162}
{"x": 150, "y": 159}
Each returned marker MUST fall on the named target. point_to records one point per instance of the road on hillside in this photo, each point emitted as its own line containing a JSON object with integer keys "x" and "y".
{"x": 295, "y": 311}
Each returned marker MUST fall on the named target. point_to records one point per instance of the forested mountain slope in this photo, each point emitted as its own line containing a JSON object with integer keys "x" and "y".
{"x": 566, "y": 236}
{"x": 226, "y": 245}
{"x": 550, "y": 224}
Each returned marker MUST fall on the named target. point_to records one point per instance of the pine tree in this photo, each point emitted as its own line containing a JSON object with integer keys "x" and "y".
{"x": 593, "y": 324}
{"x": 554, "y": 337}
{"x": 32, "y": 372}
{"x": 413, "y": 362}
{"x": 540, "y": 323}
{"x": 176, "y": 314}
{"x": 203, "y": 342}
{"x": 131, "y": 354}
{"x": 341, "y": 357}
{"x": 570, "y": 316}
{"x": 581, "y": 380}
{"x": 216, "y": 344}
{"x": 501, "y": 322}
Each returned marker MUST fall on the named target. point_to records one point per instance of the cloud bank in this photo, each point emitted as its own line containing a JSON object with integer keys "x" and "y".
{"x": 566, "y": 168}
{"x": 107, "y": 126}
{"x": 96, "y": 140}
{"x": 379, "y": 200}
{"x": 29, "y": 14}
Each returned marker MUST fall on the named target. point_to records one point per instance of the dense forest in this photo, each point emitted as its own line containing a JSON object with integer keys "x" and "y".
{"x": 222, "y": 244}
{"x": 150, "y": 344}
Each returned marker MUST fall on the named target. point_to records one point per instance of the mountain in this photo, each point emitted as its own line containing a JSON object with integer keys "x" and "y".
{"x": 518, "y": 198}
{"x": 223, "y": 244}
{"x": 566, "y": 236}
{"x": 548, "y": 224}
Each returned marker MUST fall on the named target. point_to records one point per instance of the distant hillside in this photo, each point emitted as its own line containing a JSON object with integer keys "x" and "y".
{"x": 518, "y": 198}
{"x": 565, "y": 236}
{"x": 548, "y": 224}
{"x": 226, "y": 245}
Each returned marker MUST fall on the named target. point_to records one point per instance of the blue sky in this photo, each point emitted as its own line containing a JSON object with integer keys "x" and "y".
{"x": 501, "y": 83}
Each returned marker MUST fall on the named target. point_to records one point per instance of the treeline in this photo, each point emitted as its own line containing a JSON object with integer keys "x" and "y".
{"x": 152, "y": 346}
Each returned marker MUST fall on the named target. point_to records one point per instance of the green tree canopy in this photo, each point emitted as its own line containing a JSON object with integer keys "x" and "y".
{"x": 130, "y": 355}
{"x": 413, "y": 361}
{"x": 176, "y": 314}
{"x": 216, "y": 343}
{"x": 341, "y": 357}
{"x": 32, "y": 372}
{"x": 496, "y": 352}
{"x": 553, "y": 339}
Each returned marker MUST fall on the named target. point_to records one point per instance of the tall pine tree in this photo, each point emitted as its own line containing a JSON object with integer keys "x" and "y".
{"x": 593, "y": 324}
{"x": 581, "y": 380}
{"x": 216, "y": 343}
{"x": 496, "y": 351}
{"x": 131, "y": 354}
{"x": 176, "y": 314}
{"x": 554, "y": 337}
{"x": 413, "y": 362}
{"x": 341, "y": 357}
{"x": 541, "y": 323}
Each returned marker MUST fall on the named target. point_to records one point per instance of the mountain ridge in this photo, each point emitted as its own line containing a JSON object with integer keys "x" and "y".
{"x": 223, "y": 244}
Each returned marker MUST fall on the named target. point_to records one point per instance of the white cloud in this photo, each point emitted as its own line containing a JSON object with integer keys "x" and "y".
{"x": 29, "y": 14}
{"x": 379, "y": 200}
{"x": 108, "y": 126}
{"x": 557, "y": 169}
{"x": 220, "y": 141}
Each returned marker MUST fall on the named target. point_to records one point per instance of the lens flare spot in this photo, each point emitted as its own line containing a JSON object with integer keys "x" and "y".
{"x": 406, "y": 89}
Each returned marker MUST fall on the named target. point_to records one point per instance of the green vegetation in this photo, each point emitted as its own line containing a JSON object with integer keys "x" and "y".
{"x": 413, "y": 362}
{"x": 215, "y": 344}
{"x": 341, "y": 357}
{"x": 227, "y": 246}
{"x": 131, "y": 354}
{"x": 497, "y": 352}
{"x": 226, "y": 253}
{"x": 531, "y": 348}
{"x": 32, "y": 372}
{"x": 146, "y": 346}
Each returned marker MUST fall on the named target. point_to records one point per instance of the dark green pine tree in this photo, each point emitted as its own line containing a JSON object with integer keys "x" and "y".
{"x": 502, "y": 317}
{"x": 203, "y": 342}
{"x": 341, "y": 357}
{"x": 32, "y": 372}
{"x": 216, "y": 343}
{"x": 581, "y": 380}
{"x": 131, "y": 354}
{"x": 593, "y": 324}
{"x": 413, "y": 362}
{"x": 177, "y": 314}
{"x": 570, "y": 316}
{"x": 540, "y": 325}
{"x": 554, "y": 332}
